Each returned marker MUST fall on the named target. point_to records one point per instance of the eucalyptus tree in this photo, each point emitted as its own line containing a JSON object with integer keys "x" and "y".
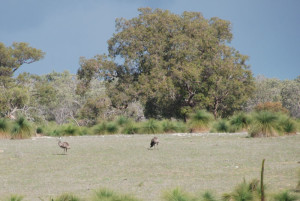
{"x": 14, "y": 96}
{"x": 172, "y": 64}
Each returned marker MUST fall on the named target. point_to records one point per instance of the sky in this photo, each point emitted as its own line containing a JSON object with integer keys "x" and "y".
{"x": 268, "y": 31}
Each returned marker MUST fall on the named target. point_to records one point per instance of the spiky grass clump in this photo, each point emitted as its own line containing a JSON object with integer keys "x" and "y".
{"x": 221, "y": 126}
{"x": 287, "y": 125}
{"x": 67, "y": 197}
{"x": 109, "y": 195}
{"x": 130, "y": 128}
{"x": 168, "y": 126}
{"x": 285, "y": 196}
{"x": 265, "y": 124}
{"x": 112, "y": 128}
{"x": 84, "y": 131}
{"x": 21, "y": 129}
{"x": 14, "y": 198}
{"x": 4, "y": 128}
{"x": 200, "y": 121}
{"x": 239, "y": 122}
{"x": 244, "y": 192}
{"x": 177, "y": 195}
{"x": 122, "y": 120}
{"x": 100, "y": 129}
{"x": 69, "y": 130}
{"x": 151, "y": 126}
{"x": 207, "y": 196}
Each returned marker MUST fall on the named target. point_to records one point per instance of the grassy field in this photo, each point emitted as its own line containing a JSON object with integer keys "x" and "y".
{"x": 37, "y": 169}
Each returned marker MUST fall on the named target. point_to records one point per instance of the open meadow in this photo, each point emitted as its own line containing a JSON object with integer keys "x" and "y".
{"x": 37, "y": 168}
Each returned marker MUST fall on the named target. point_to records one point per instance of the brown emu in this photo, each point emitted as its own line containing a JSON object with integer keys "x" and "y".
{"x": 63, "y": 145}
{"x": 154, "y": 141}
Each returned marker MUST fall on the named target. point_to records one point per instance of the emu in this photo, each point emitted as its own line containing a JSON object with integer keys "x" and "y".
{"x": 64, "y": 145}
{"x": 154, "y": 141}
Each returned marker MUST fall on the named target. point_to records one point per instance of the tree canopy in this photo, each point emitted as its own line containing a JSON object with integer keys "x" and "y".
{"x": 171, "y": 64}
{"x": 14, "y": 95}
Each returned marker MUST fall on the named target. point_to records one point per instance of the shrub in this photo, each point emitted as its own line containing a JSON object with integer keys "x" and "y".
{"x": 180, "y": 126}
{"x": 4, "y": 128}
{"x": 130, "y": 128}
{"x": 287, "y": 125}
{"x": 265, "y": 124}
{"x": 21, "y": 128}
{"x": 39, "y": 130}
{"x": 151, "y": 126}
{"x": 100, "y": 128}
{"x": 207, "y": 196}
{"x": 285, "y": 196}
{"x": 109, "y": 195}
{"x": 69, "y": 129}
{"x": 243, "y": 192}
{"x": 177, "y": 195}
{"x": 168, "y": 126}
{"x": 121, "y": 120}
{"x": 221, "y": 126}
{"x": 239, "y": 122}
{"x": 84, "y": 131}
{"x": 200, "y": 120}
{"x": 112, "y": 128}
{"x": 67, "y": 197}
{"x": 271, "y": 107}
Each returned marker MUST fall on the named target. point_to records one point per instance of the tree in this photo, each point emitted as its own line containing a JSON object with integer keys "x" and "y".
{"x": 11, "y": 58}
{"x": 14, "y": 96}
{"x": 290, "y": 94}
{"x": 171, "y": 63}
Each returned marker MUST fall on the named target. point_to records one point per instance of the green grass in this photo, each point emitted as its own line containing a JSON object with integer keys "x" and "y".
{"x": 123, "y": 163}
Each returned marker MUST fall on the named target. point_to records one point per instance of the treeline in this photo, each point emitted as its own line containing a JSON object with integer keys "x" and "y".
{"x": 160, "y": 66}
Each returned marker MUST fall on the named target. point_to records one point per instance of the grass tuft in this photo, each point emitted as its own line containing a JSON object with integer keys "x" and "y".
{"x": 200, "y": 120}
{"x": 21, "y": 129}
{"x": 67, "y": 197}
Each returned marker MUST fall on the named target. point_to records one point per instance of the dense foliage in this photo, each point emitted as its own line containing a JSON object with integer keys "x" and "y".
{"x": 172, "y": 64}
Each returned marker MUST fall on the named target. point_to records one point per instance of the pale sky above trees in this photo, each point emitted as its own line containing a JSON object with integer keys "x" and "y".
{"x": 267, "y": 31}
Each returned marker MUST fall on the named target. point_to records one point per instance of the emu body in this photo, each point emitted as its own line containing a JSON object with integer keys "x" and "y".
{"x": 64, "y": 145}
{"x": 154, "y": 141}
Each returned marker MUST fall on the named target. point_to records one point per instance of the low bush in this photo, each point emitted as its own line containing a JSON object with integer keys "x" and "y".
{"x": 265, "y": 124}
{"x": 121, "y": 120}
{"x": 112, "y": 128}
{"x": 221, "y": 126}
{"x": 287, "y": 125}
{"x": 21, "y": 129}
{"x": 4, "y": 128}
{"x": 177, "y": 194}
{"x": 151, "y": 126}
{"x": 239, "y": 122}
{"x": 109, "y": 195}
{"x": 200, "y": 121}
{"x": 285, "y": 196}
{"x": 168, "y": 126}
{"x": 67, "y": 197}
{"x": 69, "y": 130}
{"x": 100, "y": 129}
{"x": 244, "y": 192}
{"x": 130, "y": 128}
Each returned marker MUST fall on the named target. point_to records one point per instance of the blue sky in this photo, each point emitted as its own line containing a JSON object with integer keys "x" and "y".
{"x": 268, "y": 31}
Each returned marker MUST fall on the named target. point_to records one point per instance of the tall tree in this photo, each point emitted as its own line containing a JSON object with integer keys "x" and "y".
{"x": 14, "y": 96}
{"x": 172, "y": 64}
